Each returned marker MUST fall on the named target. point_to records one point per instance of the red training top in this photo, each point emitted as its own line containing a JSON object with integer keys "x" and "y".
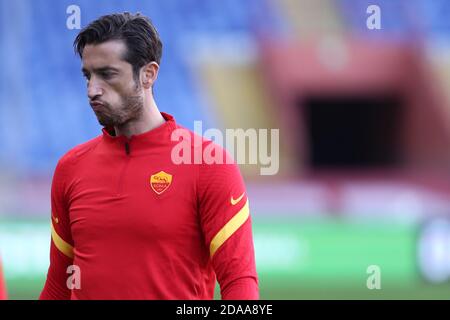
{"x": 3, "y": 295}
{"x": 136, "y": 225}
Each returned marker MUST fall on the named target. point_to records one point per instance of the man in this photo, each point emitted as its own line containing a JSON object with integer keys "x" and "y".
{"x": 128, "y": 221}
{"x": 3, "y": 295}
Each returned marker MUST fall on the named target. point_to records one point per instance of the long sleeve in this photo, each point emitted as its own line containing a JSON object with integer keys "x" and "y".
{"x": 226, "y": 223}
{"x": 61, "y": 246}
{"x": 3, "y": 295}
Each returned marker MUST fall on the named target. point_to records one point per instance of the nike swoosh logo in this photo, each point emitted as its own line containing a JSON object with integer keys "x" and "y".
{"x": 236, "y": 201}
{"x": 55, "y": 218}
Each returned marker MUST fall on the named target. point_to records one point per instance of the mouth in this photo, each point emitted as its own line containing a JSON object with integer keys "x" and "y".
{"x": 97, "y": 105}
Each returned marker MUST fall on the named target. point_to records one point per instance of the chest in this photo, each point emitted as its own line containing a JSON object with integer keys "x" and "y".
{"x": 134, "y": 198}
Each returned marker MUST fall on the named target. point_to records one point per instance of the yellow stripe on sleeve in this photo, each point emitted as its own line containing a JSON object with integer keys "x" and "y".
{"x": 230, "y": 228}
{"x": 62, "y": 246}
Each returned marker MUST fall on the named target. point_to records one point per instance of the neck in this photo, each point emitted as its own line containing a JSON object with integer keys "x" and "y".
{"x": 150, "y": 119}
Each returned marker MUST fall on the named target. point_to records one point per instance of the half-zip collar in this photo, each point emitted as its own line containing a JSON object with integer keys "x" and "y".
{"x": 140, "y": 143}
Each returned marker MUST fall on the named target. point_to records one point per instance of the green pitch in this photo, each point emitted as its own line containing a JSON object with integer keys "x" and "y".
{"x": 296, "y": 259}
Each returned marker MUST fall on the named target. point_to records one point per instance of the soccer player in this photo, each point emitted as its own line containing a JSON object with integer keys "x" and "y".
{"x": 128, "y": 222}
{"x": 3, "y": 295}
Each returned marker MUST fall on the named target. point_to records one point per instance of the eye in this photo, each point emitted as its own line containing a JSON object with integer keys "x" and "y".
{"x": 106, "y": 75}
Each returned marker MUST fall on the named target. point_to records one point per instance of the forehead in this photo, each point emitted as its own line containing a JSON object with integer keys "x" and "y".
{"x": 109, "y": 52}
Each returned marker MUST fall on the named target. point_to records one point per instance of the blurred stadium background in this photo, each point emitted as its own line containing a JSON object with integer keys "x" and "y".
{"x": 364, "y": 119}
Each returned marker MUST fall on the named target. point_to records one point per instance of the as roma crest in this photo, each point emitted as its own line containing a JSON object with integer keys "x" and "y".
{"x": 160, "y": 181}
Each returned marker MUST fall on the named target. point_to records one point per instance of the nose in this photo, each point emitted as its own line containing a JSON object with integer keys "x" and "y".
{"x": 94, "y": 90}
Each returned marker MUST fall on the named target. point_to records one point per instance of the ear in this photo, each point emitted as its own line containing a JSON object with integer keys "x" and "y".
{"x": 149, "y": 73}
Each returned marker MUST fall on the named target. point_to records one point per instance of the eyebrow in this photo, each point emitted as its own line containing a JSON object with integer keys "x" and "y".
{"x": 102, "y": 69}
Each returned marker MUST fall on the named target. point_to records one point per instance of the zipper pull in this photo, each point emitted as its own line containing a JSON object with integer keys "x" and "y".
{"x": 127, "y": 148}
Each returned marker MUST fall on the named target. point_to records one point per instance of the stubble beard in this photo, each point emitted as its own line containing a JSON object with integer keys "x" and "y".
{"x": 130, "y": 109}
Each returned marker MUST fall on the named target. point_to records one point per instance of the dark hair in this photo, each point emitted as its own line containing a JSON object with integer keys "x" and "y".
{"x": 137, "y": 31}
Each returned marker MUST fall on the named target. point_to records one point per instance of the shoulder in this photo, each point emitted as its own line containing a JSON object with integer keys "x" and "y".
{"x": 213, "y": 160}
{"x": 72, "y": 156}
{"x": 215, "y": 167}
{"x": 200, "y": 145}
